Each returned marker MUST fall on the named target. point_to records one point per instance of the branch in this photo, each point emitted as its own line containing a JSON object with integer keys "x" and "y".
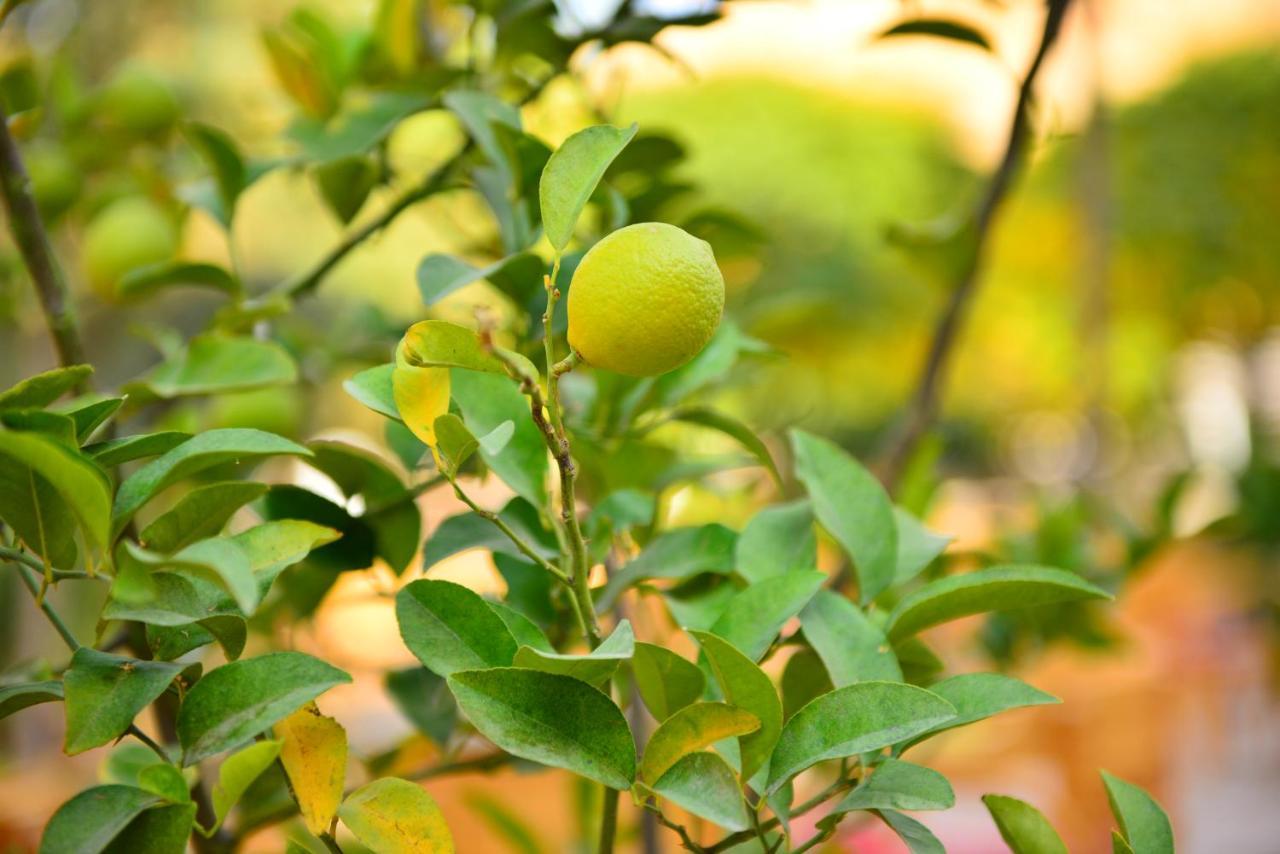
{"x": 33, "y": 242}
{"x": 30, "y": 578}
{"x": 523, "y": 545}
{"x": 744, "y": 835}
{"x": 924, "y": 403}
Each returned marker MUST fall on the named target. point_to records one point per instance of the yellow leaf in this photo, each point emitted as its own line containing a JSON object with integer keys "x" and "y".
{"x": 394, "y": 816}
{"x": 314, "y": 755}
{"x": 422, "y": 395}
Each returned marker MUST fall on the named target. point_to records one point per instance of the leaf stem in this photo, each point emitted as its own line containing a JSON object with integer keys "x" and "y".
{"x": 498, "y": 522}
{"x": 28, "y": 231}
{"x": 141, "y": 736}
{"x": 330, "y": 843}
{"x": 923, "y": 407}
{"x": 31, "y": 579}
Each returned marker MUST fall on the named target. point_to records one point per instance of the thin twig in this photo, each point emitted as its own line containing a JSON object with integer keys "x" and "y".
{"x": 498, "y": 522}
{"x": 685, "y": 839}
{"x": 924, "y": 404}
{"x": 29, "y": 234}
{"x": 822, "y": 797}
{"x": 31, "y": 579}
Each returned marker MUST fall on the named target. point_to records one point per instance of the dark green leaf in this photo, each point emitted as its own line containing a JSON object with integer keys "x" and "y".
{"x": 345, "y": 183}
{"x": 488, "y": 401}
{"x": 804, "y": 679}
{"x": 203, "y": 451}
{"x": 38, "y": 391}
{"x": 753, "y": 618}
{"x": 114, "y": 452}
{"x": 105, "y": 692}
{"x": 424, "y": 698}
{"x": 469, "y": 531}
{"x": 440, "y": 275}
{"x": 552, "y": 719}
{"x": 236, "y": 701}
{"x": 159, "y": 830}
{"x": 852, "y": 720}
{"x": 706, "y": 786}
{"x": 678, "y": 553}
{"x": 996, "y": 588}
{"x": 220, "y": 561}
{"x": 849, "y": 644}
{"x": 1023, "y": 827}
{"x": 15, "y": 698}
{"x": 853, "y": 506}
{"x": 667, "y": 682}
{"x": 1142, "y": 821}
{"x": 746, "y": 686}
{"x": 146, "y": 280}
{"x": 450, "y": 628}
{"x": 42, "y": 476}
{"x": 976, "y": 696}
{"x": 777, "y": 540}
{"x": 201, "y": 513}
{"x": 87, "y": 823}
{"x": 594, "y": 667}
{"x": 226, "y": 163}
{"x": 571, "y": 175}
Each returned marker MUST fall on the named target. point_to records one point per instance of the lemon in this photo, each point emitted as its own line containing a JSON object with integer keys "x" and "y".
{"x": 128, "y": 233}
{"x": 645, "y": 300}
{"x": 139, "y": 101}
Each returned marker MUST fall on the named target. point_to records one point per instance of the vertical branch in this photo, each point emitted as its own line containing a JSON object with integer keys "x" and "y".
{"x": 33, "y": 242}
{"x": 924, "y": 402}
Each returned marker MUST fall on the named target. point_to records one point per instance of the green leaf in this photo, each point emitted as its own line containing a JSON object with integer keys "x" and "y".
{"x": 440, "y": 344}
{"x": 693, "y": 728}
{"x": 373, "y": 388}
{"x": 571, "y": 175}
{"x": 996, "y": 588}
{"x": 218, "y": 560}
{"x": 51, "y": 425}
{"x": 853, "y": 506}
{"x": 159, "y": 830}
{"x": 899, "y": 785}
{"x": 230, "y": 175}
{"x": 804, "y": 679}
{"x": 479, "y": 112}
{"x": 89, "y": 821}
{"x": 918, "y": 838}
{"x": 440, "y": 275}
{"x": 754, "y": 617}
{"x": 89, "y": 413}
{"x": 163, "y": 779}
{"x": 345, "y": 184}
{"x": 454, "y": 443}
{"x": 201, "y": 513}
{"x": 1119, "y": 845}
{"x": 469, "y": 531}
{"x": 746, "y": 686}
{"x": 524, "y": 630}
{"x": 37, "y": 392}
{"x": 424, "y": 698}
{"x": 105, "y": 692}
{"x": 114, "y": 452}
{"x": 851, "y": 647}
{"x": 667, "y": 682}
{"x": 208, "y": 449}
{"x": 594, "y": 667}
{"x": 976, "y": 696}
{"x": 450, "y": 628}
{"x": 778, "y": 539}
{"x": 852, "y": 720}
{"x": 706, "y": 786}
{"x": 1144, "y": 824}
{"x": 15, "y": 698}
{"x": 236, "y": 701}
{"x": 40, "y": 476}
{"x": 678, "y": 553}
{"x": 393, "y": 816}
{"x": 552, "y": 719}
{"x": 273, "y": 547}
{"x": 237, "y": 772}
{"x": 146, "y": 280}
{"x": 487, "y": 402}
{"x": 1023, "y": 827}
{"x": 215, "y": 363}
{"x": 917, "y": 546}
{"x": 939, "y": 28}
{"x": 734, "y": 429}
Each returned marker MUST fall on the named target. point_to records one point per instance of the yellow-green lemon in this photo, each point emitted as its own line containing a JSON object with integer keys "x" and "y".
{"x": 645, "y": 300}
{"x": 126, "y": 234}
{"x": 140, "y": 101}
{"x": 55, "y": 178}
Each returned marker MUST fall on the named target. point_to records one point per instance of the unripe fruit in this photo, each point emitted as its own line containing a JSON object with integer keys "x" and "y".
{"x": 129, "y": 233}
{"x": 645, "y": 300}
{"x": 139, "y": 101}
{"x": 55, "y": 178}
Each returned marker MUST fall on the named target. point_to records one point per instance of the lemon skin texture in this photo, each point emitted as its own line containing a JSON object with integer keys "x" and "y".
{"x": 645, "y": 300}
{"x": 128, "y": 233}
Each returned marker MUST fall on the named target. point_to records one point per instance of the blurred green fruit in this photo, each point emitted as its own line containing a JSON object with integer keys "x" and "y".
{"x": 55, "y": 178}
{"x": 276, "y": 410}
{"x": 129, "y": 233}
{"x": 139, "y": 101}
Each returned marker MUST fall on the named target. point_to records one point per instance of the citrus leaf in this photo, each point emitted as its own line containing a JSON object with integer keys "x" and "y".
{"x": 552, "y": 719}
{"x": 15, "y": 698}
{"x": 753, "y": 618}
{"x": 421, "y": 395}
{"x": 570, "y": 177}
{"x": 706, "y": 786}
{"x": 114, "y": 452}
{"x": 237, "y": 772}
{"x": 374, "y": 388}
{"x": 230, "y": 175}
{"x": 917, "y": 546}
{"x": 851, "y": 647}
{"x": 159, "y": 830}
{"x": 165, "y": 780}
{"x": 89, "y": 821}
{"x": 236, "y": 701}
{"x": 440, "y": 275}
{"x": 918, "y": 838}
{"x": 899, "y": 785}
{"x": 314, "y": 756}
{"x": 853, "y": 506}
{"x": 734, "y": 429}
{"x": 40, "y": 390}
{"x": 777, "y": 540}
{"x": 220, "y": 561}
{"x": 440, "y": 344}
{"x": 594, "y": 667}
{"x": 216, "y": 363}
{"x": 852, "y": 720}
{"x": 394, "y": 816}
{"x": 804, "y": 679}
{"x": 746, "y": 686}
{"x": 144, "y": 281}
{"x": 1143, "y": 823}
{"x": 205, "y": 450}
{"x": 424, "y": 698}
{"x": 1023, "y": 827}
{"x": 996, "y": 588}
{"x": 693, "y": 728}
{"x": 89, "y": 413}
{"x": 678, "y": 553}
{"x": 976, "y": 696}
{"x": 52, "y": 471}
{"x": 667, "y": 682}
{"x": 448, "y": 627}
{"x": 524, "y": 630}
{"x": 105, "y": 692}
{"x": 200, "y": 513}
{"x": 487, "y": 402}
